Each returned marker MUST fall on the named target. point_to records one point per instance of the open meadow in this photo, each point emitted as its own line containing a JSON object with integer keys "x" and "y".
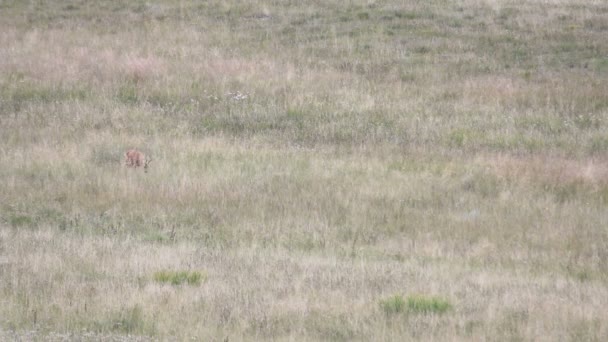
{"x": 321, "y": 170}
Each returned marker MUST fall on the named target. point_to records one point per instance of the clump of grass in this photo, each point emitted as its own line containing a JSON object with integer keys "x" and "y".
{"x": 20, "y": 221}
{"x": 106, "y": 155}
{"x": 130, "y": 320}
{"x": 393, "y": 305}
{"x": 193, "y": 278}
{"x": 427, "y": 305}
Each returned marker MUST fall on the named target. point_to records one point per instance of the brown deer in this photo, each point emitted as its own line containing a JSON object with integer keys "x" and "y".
{"x": 135, "y": 158}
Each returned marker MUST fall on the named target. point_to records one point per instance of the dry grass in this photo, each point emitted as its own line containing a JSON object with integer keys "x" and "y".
{"x": 315, "y": 164}
{"x": 546, "y": 169}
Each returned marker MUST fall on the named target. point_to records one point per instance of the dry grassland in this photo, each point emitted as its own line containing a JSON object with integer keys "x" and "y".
{"x": 323, "y": 170}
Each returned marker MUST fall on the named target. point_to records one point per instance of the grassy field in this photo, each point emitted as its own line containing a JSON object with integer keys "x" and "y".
{"x": 322, "y": 170}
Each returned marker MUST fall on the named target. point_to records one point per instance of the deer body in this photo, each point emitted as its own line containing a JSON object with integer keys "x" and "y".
{"x": 135, "y": 159}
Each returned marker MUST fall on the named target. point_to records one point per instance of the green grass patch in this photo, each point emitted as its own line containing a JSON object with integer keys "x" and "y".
{"x": 414, "y": 304}
{"x": 427, "y": 305}
{"x": 192, "y": 278}
{"x": 127, "y": 94}
{"x": 393, "y": 305}
{"x": 463, "y": 137}
{"x": 20, "y": 220}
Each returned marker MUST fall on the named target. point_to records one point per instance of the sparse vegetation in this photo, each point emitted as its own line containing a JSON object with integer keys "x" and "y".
{"x": 414, "y": 304}
{"x": 427, "y": 305}
{"x": 314, "y": 159}
{"x": 393, "y": 305}
{"x": 193, "y": 278}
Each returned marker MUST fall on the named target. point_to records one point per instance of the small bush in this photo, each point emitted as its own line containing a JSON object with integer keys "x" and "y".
{"x": 423, "y": 304}
{"x": 393, "y": 305}
{"x": 177, "y": 278}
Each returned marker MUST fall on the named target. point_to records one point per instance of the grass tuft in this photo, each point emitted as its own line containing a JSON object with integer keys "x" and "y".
{"x": 20, "y": 220}
{"x": 393, "y": 305}
{"x": 192, "y": 278}
{"x": 427, "y": 305}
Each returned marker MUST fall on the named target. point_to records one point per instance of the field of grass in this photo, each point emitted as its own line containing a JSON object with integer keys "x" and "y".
{"x": 322, "y": 170}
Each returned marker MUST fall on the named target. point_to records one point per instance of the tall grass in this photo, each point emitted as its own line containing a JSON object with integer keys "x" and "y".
{"x": 313, "y": 159}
